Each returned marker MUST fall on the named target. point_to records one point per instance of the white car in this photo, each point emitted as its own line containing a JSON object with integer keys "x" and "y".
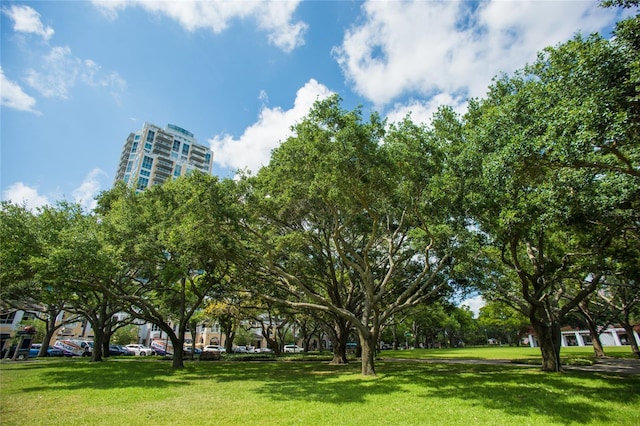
{"x": 139, "y": 350}
{"x": 214, "y": 348}
{"x": 293, "y": 349}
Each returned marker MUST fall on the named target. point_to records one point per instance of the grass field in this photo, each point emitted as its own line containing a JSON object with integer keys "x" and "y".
{"x": 145, "y": 391}
{"x": 568, "y": 354}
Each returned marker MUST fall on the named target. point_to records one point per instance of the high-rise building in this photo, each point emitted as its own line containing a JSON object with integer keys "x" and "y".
{"x": 154, "y": 155}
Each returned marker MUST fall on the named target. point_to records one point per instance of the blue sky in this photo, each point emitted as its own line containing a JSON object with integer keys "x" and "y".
{"x": 78, "y": 76}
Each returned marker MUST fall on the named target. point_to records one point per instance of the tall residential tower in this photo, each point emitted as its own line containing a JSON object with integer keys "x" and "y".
{"x": 154, "y": 155}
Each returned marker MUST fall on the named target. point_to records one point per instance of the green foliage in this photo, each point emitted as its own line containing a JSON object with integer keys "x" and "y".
{"x": 125, "y": 335}
{"x": 244, "y": 337}
{"x": 620, "y": 3}
{"x": 501, "y": 322}
{"x": 177, "y": 244}
{"x": 553, "y": 153}
{"x": 357, "y": 220}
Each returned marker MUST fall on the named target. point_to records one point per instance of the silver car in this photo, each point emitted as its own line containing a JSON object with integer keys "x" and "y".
{"x": 139, "y": 350}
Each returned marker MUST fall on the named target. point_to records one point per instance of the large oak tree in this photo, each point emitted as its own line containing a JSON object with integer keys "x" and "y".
{"x": 353, "y": 219}
{"x": 178, "y": 242}
{"x": 553, "y": 155}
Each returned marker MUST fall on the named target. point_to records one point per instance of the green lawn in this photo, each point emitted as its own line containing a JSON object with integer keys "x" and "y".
{"x": 147, "y": 391}
{"x": 505, "y": 352}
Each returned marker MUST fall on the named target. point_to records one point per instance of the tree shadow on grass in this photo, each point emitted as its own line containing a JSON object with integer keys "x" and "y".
{"x": 516, "y": 391}
{"x": 570, "y": 397}
{"x": 563, "y": 397}
{"x": 77, "y": 374}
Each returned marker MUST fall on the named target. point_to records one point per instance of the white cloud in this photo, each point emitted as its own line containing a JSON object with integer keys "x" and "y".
{"x": 422, "y": 111}
{"x": 58, "y": 75}
{"x": 90, "y": 187}
{"x": 21, "y": 194}
{"x": 27, "y": 20}
{"x": 12, "y": 95}
{"x": 454, "y": 48}
{"x": 252, "y": 149}
{"x": 60, "y": 71}
{"x": 474, "y": 304}
{"x": 84, "y": 195}
{"x": 275, "y": 17}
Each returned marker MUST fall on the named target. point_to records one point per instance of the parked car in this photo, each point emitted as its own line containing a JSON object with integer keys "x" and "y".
{"x": 210, "y": 354}
{"x": 159, "y": 347}
{"x": 214, "y": 348}
{"x": 186, "y": 350}
{"x": 294, "y": 349}
{"x": 51, "y": 351}
{"x": 139, "y": 350}
{"x": 264, "y": 350}
{"x": 35, "y": 350}
{"x": 116, "y": 350}
{"x": 58, "y": 352}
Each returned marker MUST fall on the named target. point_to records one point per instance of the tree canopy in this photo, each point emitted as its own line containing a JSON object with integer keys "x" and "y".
{"x": 531, "y": 197}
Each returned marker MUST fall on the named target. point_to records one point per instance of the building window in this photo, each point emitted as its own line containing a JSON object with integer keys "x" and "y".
{"x": 207, "y": 157}
{"x": 129, "y": 164}
{"x": 178, "y": 170}
{"x": 28, "y": 316}
{"x": 147, "y": 162}
{"x": 185, "y": 149}
{"x": 146, "y": 173}
{"x": 150, "y": 135}
{"x": 176, "y": 145}
{"x": 136, "y": 138}
{"x": 142, "y": 183}
{"x": 148, "y": 146}
{"x": 134, "y": 147}
{"x": 7, "y": 318}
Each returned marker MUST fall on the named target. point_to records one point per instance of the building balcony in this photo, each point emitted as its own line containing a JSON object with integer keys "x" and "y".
{"x": 164, "y": 173}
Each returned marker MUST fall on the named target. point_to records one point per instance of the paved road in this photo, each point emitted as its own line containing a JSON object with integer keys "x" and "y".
{"x": 611, "y": 365}
{"x": 606, "y": 365}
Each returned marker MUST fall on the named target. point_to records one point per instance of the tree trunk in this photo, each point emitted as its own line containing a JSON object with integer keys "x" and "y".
{"x": 177, "y": 361}
{"x": 48, "y": 335}
{"x": 105, "y": 344}
{"x": 339, "y": 359}
{"x": 230, "y": 335}
{"x": 549, "y": 338}
{"x": 98, "y": 340}
{"x": 368, "y": 344}
{"x": 339, "y": 337}
{"x": 395, "y": 337}
{"x": 632, "y": 338}
{"x": 598, "y": 350}
{"x": 340, "y": 349}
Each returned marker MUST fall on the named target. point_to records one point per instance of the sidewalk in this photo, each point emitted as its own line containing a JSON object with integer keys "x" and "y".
{"x": 610, "y": 365}
{"x": 606, "y": 365}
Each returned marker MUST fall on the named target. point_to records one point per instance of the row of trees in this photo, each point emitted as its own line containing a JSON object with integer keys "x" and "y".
{"x": 531, "y": 197}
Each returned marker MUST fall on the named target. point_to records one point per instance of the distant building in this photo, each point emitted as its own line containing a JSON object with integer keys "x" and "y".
{"x": 612, "y": 336}
{"x": 153, "y": 155}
